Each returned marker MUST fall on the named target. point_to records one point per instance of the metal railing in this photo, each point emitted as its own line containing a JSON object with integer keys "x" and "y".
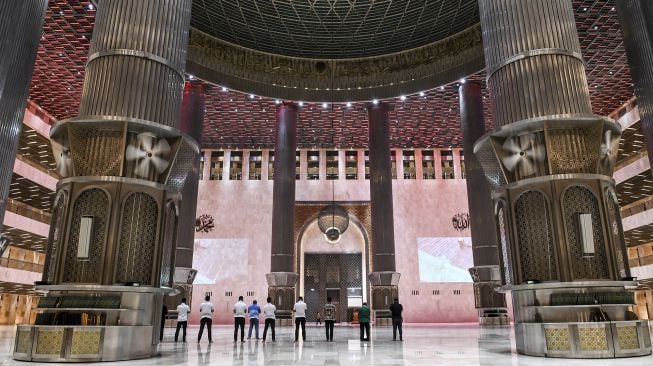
{"x": 641, "y": 261}
{"x": 25, "y": 266}
{"x": 22, "y": 209}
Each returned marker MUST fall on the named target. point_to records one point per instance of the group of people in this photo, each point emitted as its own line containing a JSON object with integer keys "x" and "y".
{"x": 241, "y": 310}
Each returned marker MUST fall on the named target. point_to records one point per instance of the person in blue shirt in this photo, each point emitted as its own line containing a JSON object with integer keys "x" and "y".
{"x": 254, "y": 310}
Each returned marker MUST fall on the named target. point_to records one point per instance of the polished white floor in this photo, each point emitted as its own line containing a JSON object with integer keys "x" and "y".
{"x": 423, "y": 345}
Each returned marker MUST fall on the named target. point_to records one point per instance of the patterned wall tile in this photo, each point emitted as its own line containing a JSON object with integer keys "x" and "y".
{"x": 627, "y": 338}
{"x": 593, "y": 339}
{"x": 557, "y": 339}
{"x": 49, "y": 342}
{"x": 85, "y": 342}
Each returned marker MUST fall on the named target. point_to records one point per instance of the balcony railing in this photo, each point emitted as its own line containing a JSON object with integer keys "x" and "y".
{"x": 641, "y": 261}
{"x": 25, "y": 266}
{"x": 22, "y": 209}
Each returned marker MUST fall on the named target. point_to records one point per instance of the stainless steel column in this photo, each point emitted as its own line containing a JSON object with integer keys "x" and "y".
{"x": 383, "y": 278}
{"x": 486, "y": 272}
{"x": 283, "y": 277}
{"x": 21, "y": 24}
{"x": 117, "y": 209}
{"x": 550, "y": 163}
{"x": 636, "y": 18}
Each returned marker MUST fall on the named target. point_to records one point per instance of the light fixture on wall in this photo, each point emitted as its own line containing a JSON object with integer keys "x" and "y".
{"x": 333, "y": 219}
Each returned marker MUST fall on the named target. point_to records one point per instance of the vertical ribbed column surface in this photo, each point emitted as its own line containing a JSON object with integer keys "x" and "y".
{"x": 636, "y": 17}
{"x": 283, "y": 195}
{"x": 383, "y": 237}
{"x": 533, "y": 58}
{"x": 21, "y": 24}
{"x": 481, "y": 210}
{"x": 191, "y": 121}
{"x": 137, "y": 60}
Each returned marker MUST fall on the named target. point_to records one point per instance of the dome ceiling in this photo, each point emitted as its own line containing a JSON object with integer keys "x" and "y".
{"x": 333, "y": 29}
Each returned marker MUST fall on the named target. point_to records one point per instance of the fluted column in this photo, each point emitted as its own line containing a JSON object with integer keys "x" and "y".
{"x": 21, "y": 24}
{"x": 191, "y": 123}
{"x": 636, "y": 18}
{"x": 485, "y": 273}
{"x": 533, "y": 59}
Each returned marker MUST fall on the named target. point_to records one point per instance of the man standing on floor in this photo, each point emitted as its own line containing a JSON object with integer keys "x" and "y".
{"x": 269, "y": 310}
{"x": 254, "y": 310}
{"x": 397, "y": 320}
{"x": 240, "y": 311}
{"x": 364, "y": 322}
{"x": 300, "y": 318}
{"x": 329, "y": 318}
{"x": 182, "y": 319}
{"x": 206, "y": 311}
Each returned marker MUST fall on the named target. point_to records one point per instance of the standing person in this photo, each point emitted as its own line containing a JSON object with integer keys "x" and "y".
{"x": 164, "y": 312}
{"x": 182, "y": 319}
{"x": 300, "y": 318}
{"x": 254, "y": 310}
{"x": 329, "y": 318}
{"x": 364, "y": 321}
{"x": 206, "y": 311}
{"x": 269, "y": 311}
{"x": 397, "y": 320}
{"x": 240, "y": 311}
{"x": 318, "y": 319}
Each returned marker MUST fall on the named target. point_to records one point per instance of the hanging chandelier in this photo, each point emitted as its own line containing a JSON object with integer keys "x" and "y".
{"x": 333, "y": 221}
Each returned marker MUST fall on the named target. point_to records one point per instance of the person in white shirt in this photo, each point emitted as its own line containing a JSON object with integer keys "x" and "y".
{"x": 240, "y": 312}
{"x": 206, "y": 311}
{"x": 269, "y": 310}
{"x": 300, "y": 318}
{"x": 182, "y": 319}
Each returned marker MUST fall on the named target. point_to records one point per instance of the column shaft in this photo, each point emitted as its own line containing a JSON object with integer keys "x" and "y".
{"x": 21, "y": 23}
{"x": 637, "y": 28}
{"x": 481, "y": 210}
{"x": 383, "y": 240}
{"x": 283, "y": 196}
{"x": 191, "y": 121}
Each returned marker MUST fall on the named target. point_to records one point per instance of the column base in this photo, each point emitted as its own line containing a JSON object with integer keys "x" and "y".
{"x": 281, "y": 288}
{"x": 384, "y": 291}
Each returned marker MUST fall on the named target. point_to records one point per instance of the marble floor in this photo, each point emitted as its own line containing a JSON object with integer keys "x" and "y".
{"x": 423, "y": 345}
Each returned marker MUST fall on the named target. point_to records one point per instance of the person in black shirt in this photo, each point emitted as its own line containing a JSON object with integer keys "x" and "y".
{"x": 397, "y": 320}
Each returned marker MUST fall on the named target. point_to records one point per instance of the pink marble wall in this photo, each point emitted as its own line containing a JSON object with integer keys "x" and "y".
{"x": 242, "y": 213}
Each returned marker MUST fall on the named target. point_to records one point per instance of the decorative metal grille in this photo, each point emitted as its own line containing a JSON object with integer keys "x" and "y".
{"x": 574, "y": 150}
{"x": 505, "y": 247}
{"x": 616, "y": 231}
{"x": 56, "y": 227}
{"x": 92, "y": 202}
{"x": 137, "y": 239}
{"x": 580, "y": 200}
{"x": 96, "y": 150}
{"x": 169, "y": 239}
{"x": 187, "y": 159}
{"x": 536, "y": 249}
{"x": 337, "y": 273}
{"x": 491, "y": 167}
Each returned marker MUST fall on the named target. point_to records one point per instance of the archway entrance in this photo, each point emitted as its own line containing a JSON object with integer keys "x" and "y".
{"x": 331, "y": 270}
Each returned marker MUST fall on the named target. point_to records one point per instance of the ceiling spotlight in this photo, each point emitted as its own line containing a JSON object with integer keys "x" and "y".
{"x": 191, "y": 77}
{"x": 277, "y": 101}
{"x": 375, "y": 101}
{"x": 90, "y": 6}
{"x": 301, "y": 104}
{"x": 421, "y": 94}
{"x": 224, "y": 88}
{"x": 463, "y": 80}
{"x": 403, "y": 97}
{"x": 324, "y": 105}
{"x": 252, "y": 96}
{"x": 348, "y": 104}
{"x": 442, "y": 87}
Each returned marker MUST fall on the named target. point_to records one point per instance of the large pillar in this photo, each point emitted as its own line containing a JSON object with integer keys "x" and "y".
{"x": 636, "y": 18}
{"x": 283, "y": 277}
{"x": 125, "y": 162}
{"x": 21, "y": 24}
{"x": 191, "y": 123}
{"x": 383, "y": 277}
{"x": 486, "y": 273}
{"x": 550, "y": 162}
